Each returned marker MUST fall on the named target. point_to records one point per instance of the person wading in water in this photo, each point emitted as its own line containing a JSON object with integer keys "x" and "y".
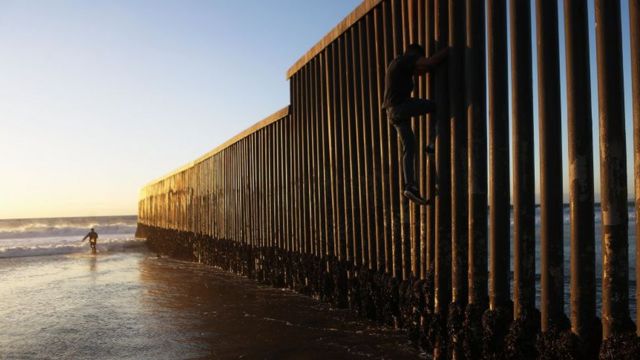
{"x": 93, "y": 240}
{"x": 400, "y": 107}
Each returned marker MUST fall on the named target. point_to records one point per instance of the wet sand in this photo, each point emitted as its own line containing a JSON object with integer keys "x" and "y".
{"x": 132, "y": 305}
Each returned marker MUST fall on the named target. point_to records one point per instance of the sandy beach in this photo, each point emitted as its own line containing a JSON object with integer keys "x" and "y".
{"x": 133, "y": 305}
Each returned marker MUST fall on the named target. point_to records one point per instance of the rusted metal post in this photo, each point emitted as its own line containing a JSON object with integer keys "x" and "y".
{"x": 634, "y": 25}
{"x": 367, "y": 154}
{"x": 458, "y": 124}
{"x": 339, "y": 158}
{"x": 475, "y": 84}
{"x": 416, "y": 23}
{"x": 355, "y": 138}
{"x": 443, "y": 171}
{"x": 391, "y": 50}
{"x": 523, "y": 175}
{"x": 342, "y": 122}
{"x": 398, "y": 201}
{"x": 499, "y": 200}
{"x": 583, "y": 276}
{"x": 328, "y": 127}
{"x": 308, "y": 161}
{"x": 613, "y": 169}
{"x": 423, "y": 141}
{"x": 431, "y": 137}
{"x": 402, "y": 41}
{"x": 381, "y": 63}
{"x": 373, "y": 113}
{"x": 551, "y": 246}
{"x": 318, "y": 190}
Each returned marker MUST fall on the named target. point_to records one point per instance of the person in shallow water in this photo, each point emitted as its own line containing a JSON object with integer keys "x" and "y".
{"x": 400, "y": 107}
{"x": 93, "y": 239}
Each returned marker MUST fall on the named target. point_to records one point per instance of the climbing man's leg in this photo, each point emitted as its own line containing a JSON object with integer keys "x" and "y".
{"x": 408, "y": 140}
{"x": 418, "y": 107}
{"x": 400, "y": 117}
{"x": 408, "y": 157}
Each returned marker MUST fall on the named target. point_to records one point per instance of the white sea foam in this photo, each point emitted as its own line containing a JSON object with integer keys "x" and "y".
{"x": 69, "y": 248}
{"x": 40, "y": 237}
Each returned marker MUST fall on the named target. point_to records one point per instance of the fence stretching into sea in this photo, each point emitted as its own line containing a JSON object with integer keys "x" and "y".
{"x": 310, "y": 198}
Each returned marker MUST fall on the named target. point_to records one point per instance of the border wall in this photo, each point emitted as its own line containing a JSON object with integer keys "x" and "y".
{"x": 310, "y": 197}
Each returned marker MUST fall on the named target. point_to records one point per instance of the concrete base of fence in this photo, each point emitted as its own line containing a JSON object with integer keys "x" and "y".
{"x": 468, "y": 333}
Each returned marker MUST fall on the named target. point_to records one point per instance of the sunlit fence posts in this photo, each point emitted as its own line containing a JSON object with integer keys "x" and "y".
{"x": 310, "y": 197}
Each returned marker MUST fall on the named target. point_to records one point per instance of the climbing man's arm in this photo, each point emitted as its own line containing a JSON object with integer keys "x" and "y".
{"x": 429, "y": 64}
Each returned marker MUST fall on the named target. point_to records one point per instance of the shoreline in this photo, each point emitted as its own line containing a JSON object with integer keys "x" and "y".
{"x": 133, "y": 304}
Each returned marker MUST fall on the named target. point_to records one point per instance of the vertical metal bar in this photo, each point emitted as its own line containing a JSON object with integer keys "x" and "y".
{"x": 286, "y": 135}
{"x": 422, "y": 141}
{"x": 499, "y": 202}
{"x": 295, "y": 225}
{"x": 396, "y": 221}
{"x": 549, "y": 120}
{"x": 239, "y": 198}
{"x": 306, "y": 159}
{"x": 523, "y": 175}
{"x": 409, "y": 223}
{"x": 251, "y": 189}
{"x": 401, "y": 42}
{"x": 342, "y": 122}
{"x": 268, "y": 133}
{"x": 293, "y": 207}
{"x": 277, "y": 189}
{"x": 303, "y": 160}
{"x": 634, "y": 25}
{"x": 383, "y": 133}
{"x": 296, "y": 154}
{"x": 263, "y": 190}
{"x": 321, "y": 183}
{"x": 330, "y": 199}
{"x": 475, "y": 80}
{"x": 366, "y": 171}
{"x": 443, "y": 173}
{"x": 613, "y": 169}
{"x": 415, "y": 210}
{"x": 317, "y": 190}
{"x": 459, "y": 217}
{"x": 372, "y": 120}
{"x": 338, "y": 125}
{"x": 271, "y": 211}
{"x": 431, "y": 137}
{"x": 354, "y": 143}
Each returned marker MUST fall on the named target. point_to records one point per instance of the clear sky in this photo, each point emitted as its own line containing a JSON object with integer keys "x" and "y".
{"x": 99, "y": 97}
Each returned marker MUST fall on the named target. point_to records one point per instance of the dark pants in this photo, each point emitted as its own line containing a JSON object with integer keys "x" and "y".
{"x": 400, "y": 117}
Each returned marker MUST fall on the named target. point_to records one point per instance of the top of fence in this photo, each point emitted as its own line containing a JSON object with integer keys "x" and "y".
{"x": 250, "y": 130}
{"x": 335, "y": 33}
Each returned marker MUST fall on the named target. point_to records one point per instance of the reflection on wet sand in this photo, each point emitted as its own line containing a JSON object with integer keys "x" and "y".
{"x": 234, "y": 317}
{"x": 133, "y": 305}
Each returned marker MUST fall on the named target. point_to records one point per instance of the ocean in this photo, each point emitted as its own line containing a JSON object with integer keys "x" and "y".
{"x": 53, "y": 236}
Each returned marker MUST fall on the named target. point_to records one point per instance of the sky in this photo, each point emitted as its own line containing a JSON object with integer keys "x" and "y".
{"x": 97, "y": 98}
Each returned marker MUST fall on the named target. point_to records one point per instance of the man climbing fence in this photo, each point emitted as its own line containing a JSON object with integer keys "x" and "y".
{"x": 400, "y": 107}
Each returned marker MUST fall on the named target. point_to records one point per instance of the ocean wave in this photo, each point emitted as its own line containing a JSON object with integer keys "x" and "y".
{"x": 111, "y": 245}
{"x": 34, "y": 228}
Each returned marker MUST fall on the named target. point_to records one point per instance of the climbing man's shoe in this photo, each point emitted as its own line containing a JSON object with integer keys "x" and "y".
{"x": 411, "y": 193}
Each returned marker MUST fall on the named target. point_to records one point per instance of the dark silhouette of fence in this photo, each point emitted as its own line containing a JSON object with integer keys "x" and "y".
{"x": 310, "y": 198}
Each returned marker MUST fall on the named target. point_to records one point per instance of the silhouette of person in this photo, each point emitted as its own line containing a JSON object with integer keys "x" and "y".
{"x": 400, "y": 107}
{"x": 93, "y": 240}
